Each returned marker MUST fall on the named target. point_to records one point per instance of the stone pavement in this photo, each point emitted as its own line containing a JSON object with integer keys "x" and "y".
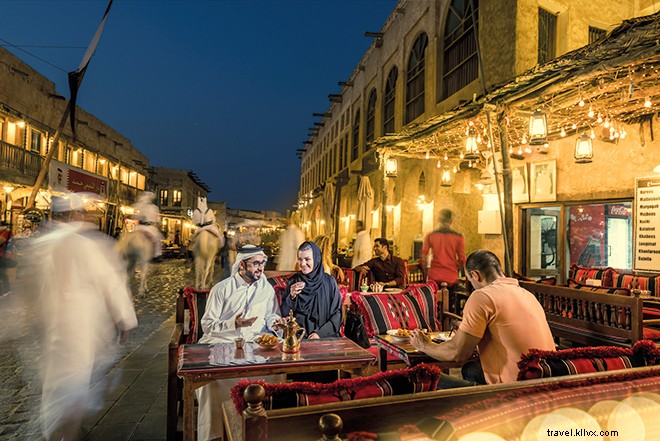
{"x": 135, "y": 408}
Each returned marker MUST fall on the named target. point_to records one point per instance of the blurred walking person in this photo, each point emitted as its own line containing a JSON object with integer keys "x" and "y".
{"x": 290, "y": 240}
{"x": 86, "y": 309}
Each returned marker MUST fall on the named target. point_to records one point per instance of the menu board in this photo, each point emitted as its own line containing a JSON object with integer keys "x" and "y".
{"x": 647, "y": 224}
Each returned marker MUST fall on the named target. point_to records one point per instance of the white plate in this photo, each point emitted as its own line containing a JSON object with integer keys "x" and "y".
{"x": 395, "y": 336}
{"x": 442, "y": 336}
{"x": 393, "y": 290}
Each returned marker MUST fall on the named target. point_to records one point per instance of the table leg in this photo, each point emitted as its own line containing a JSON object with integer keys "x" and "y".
{"x": 188, "y": 410}
{"x": 382, "y": 359}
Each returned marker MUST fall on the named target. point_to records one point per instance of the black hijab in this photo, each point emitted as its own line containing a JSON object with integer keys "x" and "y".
{"x": 318, "y": 306}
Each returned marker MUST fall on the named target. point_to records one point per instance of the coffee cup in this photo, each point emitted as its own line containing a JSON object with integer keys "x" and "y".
{"x": 364, "y": 288}
{"x": 239, "y": 342}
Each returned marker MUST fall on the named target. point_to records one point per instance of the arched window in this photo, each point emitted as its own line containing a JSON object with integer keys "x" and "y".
{"x": 421, "y": 185}
{"x": 371, "y": 117}
{"x": 415, "y": 80}
{"x": 356, "y": 137}
{"x": 460, "y": 64}
{"x": 388, "y": 101}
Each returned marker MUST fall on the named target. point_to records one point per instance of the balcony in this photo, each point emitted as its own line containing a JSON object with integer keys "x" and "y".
{"x": 19, "y": 160}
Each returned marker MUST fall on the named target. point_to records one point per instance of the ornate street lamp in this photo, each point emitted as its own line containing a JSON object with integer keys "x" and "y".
{"x": 584, "y": 149}
{"x": 538, "y": 128}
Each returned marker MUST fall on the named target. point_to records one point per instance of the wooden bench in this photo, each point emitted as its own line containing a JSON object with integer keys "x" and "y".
{"x": 439, "y": 414}
{"x": 590, "y": 318}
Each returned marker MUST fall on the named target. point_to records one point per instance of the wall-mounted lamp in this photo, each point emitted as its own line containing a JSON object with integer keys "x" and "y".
{"x": 584, "y": 150}
{"x": 445, "y": 179}
{"x": 391, "y": 168}
{"x": 538, "y": 128}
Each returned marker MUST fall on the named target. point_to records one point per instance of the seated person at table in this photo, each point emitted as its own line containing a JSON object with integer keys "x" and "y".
{"x": 387, "y": 270}
{"x": 313, "y": 295}
{"x": 243, "y": 305}
{"x": 500, "y": 318}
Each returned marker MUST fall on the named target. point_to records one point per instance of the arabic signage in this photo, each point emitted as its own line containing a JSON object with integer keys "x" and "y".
{"x": 65, "y": 178}
{"x": 647, "y": 224}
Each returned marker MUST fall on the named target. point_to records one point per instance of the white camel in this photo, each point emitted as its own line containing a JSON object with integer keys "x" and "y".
{"x": 206, "y": 244}
{"x": 137, "y": 249}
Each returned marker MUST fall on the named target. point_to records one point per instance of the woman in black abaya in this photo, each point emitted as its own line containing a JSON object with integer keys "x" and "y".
{"x": 313, "y": 295}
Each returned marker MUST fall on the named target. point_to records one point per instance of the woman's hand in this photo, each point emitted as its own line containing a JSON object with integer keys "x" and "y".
{"x": 313, "y": 336}
{"x": 296, "y": 288}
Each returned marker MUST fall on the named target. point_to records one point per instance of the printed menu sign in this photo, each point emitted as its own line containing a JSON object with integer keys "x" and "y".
{"x": 647, "y": 224}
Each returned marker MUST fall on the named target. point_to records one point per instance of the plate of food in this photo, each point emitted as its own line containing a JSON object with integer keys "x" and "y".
{"x": 399, "y": 334}
{"x": 267, "y": 341}
{"x": 443, "y": 336}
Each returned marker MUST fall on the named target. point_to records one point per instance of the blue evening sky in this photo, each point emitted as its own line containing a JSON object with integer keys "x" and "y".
{"x": 225, "y": 88}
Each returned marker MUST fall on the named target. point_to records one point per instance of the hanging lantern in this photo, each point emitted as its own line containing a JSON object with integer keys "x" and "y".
{"x": 445, "y": 179}
{"x": 538, "y": 128}
{"x": 471, "y": 149}
{"x": 391, "y": 168}
{"x": 584, "y": 150}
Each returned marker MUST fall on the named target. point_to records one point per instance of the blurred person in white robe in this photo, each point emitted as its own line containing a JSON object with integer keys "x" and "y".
{"x": 148, "y": 214}
{"x": 290, "y": 240}
{"x": 362, "y": 247}
{"x": 85, "y": 310}
{"x": 241, "y": 306}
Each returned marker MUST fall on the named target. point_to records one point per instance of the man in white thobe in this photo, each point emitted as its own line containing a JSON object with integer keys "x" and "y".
{"x": 241, "y": 306}
{"x": 290, "y": 240}
{"x": 362, "y": 247}
{"x": 85, "y": 308}
{"x": 148, "y": 214}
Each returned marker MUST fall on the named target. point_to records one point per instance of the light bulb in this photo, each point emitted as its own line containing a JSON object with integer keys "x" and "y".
{"x": 647, "y": 102}
{"x": 461, "y": 155}
{"x": 520, "y": 152}
{"x": 510, "y": 150}
{"x": 606, "y": 124}
{"x": 524, "y": 139}
{"x": 427, "y": 156}
{"x": 528, "y": 150}
{"x": 438, "y": 164}
{"x": 563, "y": 132}
{"x": 574, "y": 126}
{"x": 581, "y": 103}
{"x": 593, "y": 134}
{"x": 599, "y": 119}
{"x": 591, "y": 112}
{"x": 446, "y": 156}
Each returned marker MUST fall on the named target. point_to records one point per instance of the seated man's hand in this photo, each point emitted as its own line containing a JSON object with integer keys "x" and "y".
{"x": 362, "y": 269}
{"x": 243, "y": 323}
{"x": 313, "y": 336}
{"x": 420, "y": 339}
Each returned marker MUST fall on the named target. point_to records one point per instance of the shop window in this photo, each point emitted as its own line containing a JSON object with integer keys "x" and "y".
{"x": 600, "y": 235}
{"x": 415, "y": 79}
{"x": 389, "y": 101}
{"x": 163, "y": 198}
{"x": 176, "y": 198}
{"x": 547, "y": 42}
{"x": 89, "y": 163}
{"x": 460, "y": 63}
{"x": 36, "y": 141}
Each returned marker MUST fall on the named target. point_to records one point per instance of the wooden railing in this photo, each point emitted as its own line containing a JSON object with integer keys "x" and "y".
{"x": 17, "y": 158}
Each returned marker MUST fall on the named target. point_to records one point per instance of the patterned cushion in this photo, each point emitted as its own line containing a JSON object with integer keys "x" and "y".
{"x": 601, "y": 289}
{"x": 651, "y": 333}
{"x": 197, "y": 305}
{"x": 580, "y": 274}
{"x": 279, "y": 285}
{"x": 542, "y": 364}
{"x": 632, "y": 281}
{"x": 421, "y": 378}
{"x": 410, "y": 309}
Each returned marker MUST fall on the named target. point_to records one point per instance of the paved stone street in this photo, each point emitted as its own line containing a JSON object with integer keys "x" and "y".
{"x": 19, "y": 381}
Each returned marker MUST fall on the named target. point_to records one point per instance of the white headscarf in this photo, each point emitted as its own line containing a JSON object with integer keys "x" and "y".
{"x": 244, "y": 253}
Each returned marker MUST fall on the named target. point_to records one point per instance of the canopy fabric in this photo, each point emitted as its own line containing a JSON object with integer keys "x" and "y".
{"x": 365, "y": 202}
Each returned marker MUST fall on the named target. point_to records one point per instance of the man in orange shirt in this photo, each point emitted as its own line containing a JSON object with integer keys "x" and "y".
{"x": 447, "y": 248}
{"x": 500, "y": 318}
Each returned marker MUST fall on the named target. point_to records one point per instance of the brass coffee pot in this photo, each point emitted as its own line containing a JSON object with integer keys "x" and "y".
{"x": 291, "y": 329}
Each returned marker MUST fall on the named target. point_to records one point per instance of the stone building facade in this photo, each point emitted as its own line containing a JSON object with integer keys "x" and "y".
{"x": 417, "y": 93}
{"x": 30, "y": 112}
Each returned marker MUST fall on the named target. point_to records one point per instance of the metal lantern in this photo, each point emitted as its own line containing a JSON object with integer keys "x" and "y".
{"x": 538, "y": 128}
{"x": 391, "y": 168}
{"x": 471, "y": 149}
{"x": 584, "y": 149}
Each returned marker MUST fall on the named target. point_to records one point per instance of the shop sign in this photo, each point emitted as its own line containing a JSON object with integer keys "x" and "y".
{"x": 618, "y": 210}
{"x": 647, "y": 224}
{"x": 175, "y": 212}
{"x": 64, "y": 178}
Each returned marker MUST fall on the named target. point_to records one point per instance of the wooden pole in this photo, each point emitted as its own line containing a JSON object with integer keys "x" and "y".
{"x": 44, "y": 166}
{"x": 507, "y": 183}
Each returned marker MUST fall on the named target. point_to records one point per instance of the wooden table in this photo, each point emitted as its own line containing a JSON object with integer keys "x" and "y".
{"x": 201, "y": 364}
{"x": 404, "y": 350}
